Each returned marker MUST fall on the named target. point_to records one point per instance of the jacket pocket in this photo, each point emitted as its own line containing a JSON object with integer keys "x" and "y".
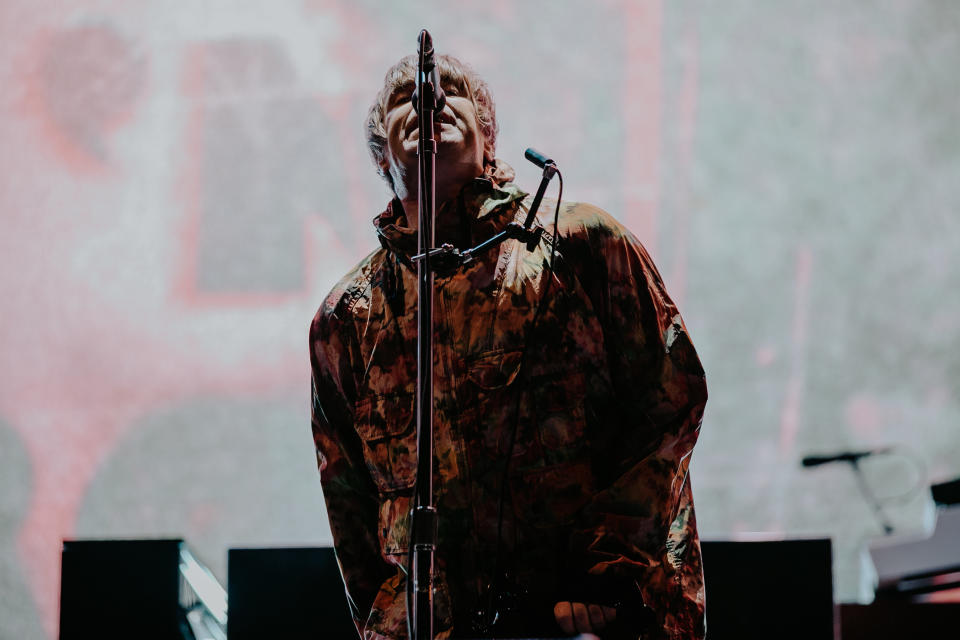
{"x": 494, "y": 370}
{"x": 387, "y": 426}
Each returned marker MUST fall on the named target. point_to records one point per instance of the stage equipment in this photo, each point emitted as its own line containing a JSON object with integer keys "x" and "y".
{"x": 853, "y": 458}
{"x": 843, "y": 456}
{"x": 918, "y": 593}
{"x": 203, "y": 598}
{"x": 289, "y": 593}
{"x": 769, "y": 589}
{"x": 946, "y": 494}
{"x": 152, "y": 589}
{"x": 921, "y": 569}
{"x": 898, "y": 619}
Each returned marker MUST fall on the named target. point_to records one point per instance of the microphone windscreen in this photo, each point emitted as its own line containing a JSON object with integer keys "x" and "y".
{"x": 537, "y": 158}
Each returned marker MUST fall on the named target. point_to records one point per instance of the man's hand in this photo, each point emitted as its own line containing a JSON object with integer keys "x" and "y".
{"x": 577, "y": 617}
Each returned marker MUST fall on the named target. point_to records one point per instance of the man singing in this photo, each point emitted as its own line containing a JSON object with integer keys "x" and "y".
{"x": 564, "y": 422}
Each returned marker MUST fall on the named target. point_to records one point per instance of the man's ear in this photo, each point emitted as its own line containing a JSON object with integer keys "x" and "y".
{"x": 384, "y": 166}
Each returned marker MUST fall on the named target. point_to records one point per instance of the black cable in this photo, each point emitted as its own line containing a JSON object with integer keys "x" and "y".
{"x": 513, "y": 434}
{"x": 516, "y": 412}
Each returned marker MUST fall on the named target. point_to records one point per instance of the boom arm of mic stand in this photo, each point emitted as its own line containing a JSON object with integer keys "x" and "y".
{"x": 449, "y": 257}
{"x": 527, "y": 233}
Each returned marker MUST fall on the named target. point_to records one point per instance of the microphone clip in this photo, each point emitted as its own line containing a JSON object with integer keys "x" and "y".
{"x": 446, "y": 258}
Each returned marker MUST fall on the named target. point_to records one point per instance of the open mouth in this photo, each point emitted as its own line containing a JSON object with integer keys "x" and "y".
{"x": 413, "y": 128}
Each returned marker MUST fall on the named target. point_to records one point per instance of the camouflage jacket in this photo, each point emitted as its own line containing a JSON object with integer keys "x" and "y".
{"x": 578, "y": 430}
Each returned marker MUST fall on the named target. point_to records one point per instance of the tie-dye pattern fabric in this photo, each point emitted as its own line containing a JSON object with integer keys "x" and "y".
{"x": 590, "y": 417}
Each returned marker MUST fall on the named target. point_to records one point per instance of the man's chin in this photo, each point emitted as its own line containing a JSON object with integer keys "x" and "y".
{"x": 452, "y": 154}
{"x": 451, "y": 146}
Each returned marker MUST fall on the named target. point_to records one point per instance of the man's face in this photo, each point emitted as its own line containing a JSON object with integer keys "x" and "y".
{"x": 461, "y": 146}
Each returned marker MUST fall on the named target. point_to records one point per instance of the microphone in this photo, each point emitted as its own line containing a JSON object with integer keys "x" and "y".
{"x": 425, "y": 43}
{"x": 843, "y": 456}
{"x": 537, "y": 158}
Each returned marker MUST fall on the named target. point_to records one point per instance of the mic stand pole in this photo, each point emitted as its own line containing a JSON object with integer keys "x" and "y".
{"x": 423, "y": 526}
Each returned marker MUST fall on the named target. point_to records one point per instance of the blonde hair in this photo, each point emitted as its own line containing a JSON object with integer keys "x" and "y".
{"x": 452, "y": 73}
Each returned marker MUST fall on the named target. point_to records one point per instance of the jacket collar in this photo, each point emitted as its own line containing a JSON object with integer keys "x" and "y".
{"x": 483, "y": 207}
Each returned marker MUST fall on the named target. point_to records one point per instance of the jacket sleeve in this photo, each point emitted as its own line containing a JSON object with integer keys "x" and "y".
{"x": 640, "y": 525}
{"x": 351, "y": 497}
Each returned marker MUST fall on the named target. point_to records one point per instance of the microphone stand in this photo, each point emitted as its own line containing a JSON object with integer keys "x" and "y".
{"x": 422, "y": 546}
{"x": 870, "y": 497}
{"x": 423, "y": 516}
{"x": 853, "y": 458}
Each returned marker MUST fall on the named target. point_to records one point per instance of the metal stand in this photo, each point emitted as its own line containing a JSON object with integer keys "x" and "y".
{"x": 870, "y": 498}
{"x": 448, "y": 258}
{"x": 428, "y": 98}
{"x": 423, "y": 517}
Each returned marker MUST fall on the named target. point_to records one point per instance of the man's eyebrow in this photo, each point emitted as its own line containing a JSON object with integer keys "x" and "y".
{"x": 404, "y": 87}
